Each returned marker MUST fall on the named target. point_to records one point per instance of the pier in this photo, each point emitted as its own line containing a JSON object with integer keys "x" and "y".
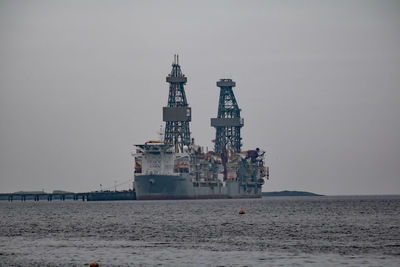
{"x": 36, "y": 196}
{"x": 62, "y": 196}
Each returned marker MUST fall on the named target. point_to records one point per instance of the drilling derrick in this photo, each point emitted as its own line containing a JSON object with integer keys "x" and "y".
{"x": 228, "y": 123}
{"x": 177, "y": 114}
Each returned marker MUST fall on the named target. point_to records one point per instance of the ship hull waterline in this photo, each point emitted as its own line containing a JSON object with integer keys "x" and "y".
{"x": 164, "y": 187}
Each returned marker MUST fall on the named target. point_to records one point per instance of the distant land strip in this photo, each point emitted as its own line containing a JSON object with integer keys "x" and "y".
{"x": 287, "y": 193}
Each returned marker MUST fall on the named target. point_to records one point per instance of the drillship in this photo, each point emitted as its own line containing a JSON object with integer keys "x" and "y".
{"x": 177, "y": 168}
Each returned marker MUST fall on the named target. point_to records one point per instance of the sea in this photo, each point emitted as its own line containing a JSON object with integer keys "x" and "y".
{"x": 274, "y": 231}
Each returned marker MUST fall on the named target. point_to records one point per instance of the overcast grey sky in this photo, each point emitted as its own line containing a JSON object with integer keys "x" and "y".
{"x": 317, "y": 82}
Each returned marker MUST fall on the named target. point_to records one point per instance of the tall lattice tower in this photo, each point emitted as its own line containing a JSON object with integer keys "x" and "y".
{"x": 177, "y": 114}
{"x": 228, "y": 123}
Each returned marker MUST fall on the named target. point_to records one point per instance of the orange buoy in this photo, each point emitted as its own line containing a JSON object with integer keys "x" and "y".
{"x": 94, "y": 264}
{"x": 241, "y": 211}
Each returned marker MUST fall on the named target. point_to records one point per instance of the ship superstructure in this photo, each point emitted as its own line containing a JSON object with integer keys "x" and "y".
{"x": 177, "y": 168}
{"x": 177, "y": 114}
{"x": 228, "y": 122}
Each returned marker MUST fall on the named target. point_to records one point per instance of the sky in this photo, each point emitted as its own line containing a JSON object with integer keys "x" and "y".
{"x": 318, "y": 83}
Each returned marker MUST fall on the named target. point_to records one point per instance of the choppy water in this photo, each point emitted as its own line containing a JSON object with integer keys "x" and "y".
{"x": 295, "y": 231}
